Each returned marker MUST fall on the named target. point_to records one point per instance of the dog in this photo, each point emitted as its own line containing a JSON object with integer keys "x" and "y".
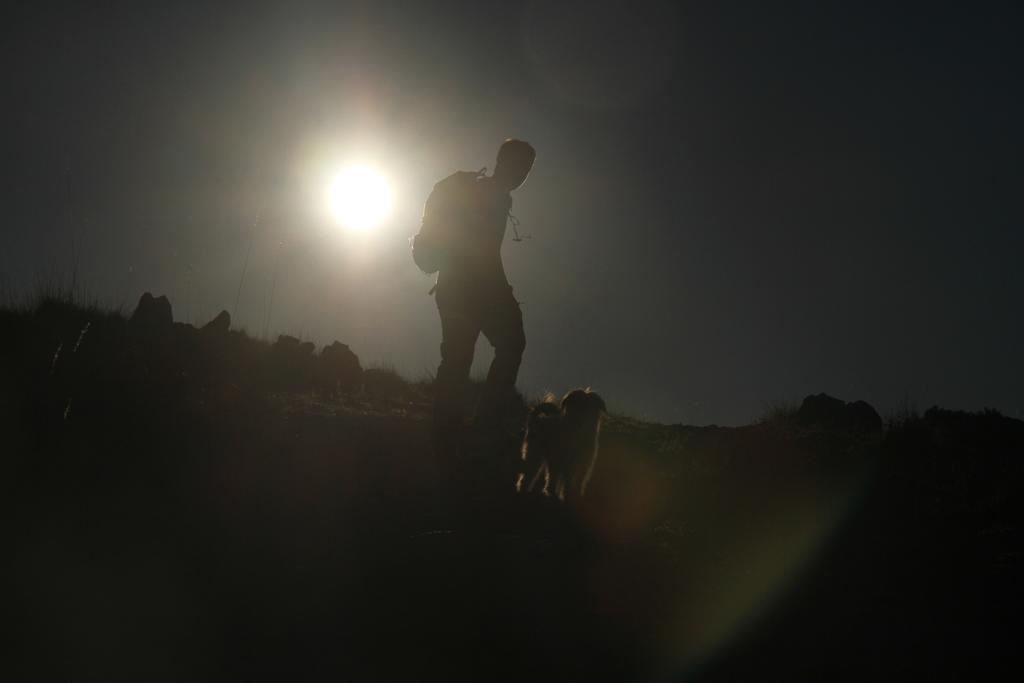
{"x": 560, "y": 445}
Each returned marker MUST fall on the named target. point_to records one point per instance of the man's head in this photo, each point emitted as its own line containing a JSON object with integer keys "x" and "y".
{"x": 515, "y": 159}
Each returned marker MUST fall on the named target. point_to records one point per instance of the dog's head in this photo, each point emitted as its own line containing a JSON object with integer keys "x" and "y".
{"x": 583, "y": 405}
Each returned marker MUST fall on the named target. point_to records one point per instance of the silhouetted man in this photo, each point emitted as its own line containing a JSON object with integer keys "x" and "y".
{"x": 473, "y": 294}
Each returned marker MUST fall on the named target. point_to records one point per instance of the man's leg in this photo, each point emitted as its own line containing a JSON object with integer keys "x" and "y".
{"x": 458, "y": 339}
{"x": 503, "y": 327}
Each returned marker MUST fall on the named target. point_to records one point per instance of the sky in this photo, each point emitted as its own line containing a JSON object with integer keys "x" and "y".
{"x": 734, "y": 204}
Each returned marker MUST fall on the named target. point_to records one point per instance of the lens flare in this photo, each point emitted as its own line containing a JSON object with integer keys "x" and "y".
{"x": 360, "y": 197}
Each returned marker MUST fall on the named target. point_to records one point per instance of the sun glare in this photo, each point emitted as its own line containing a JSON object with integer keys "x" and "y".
{"x": 360, "y": 197}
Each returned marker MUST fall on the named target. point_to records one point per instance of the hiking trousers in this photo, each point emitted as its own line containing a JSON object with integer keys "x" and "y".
{"x": 465, "y": 314}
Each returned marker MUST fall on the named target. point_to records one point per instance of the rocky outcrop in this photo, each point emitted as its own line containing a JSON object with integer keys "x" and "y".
{"x": 292, "y": 363}
{"x": 338, "y": 369}
{"x": 826, "y": 412}
{"x": 152, "y": 313}
{"x": 219, "y": 325}
{"x": 190, "y": 358}
{"x": 290, "y": 347}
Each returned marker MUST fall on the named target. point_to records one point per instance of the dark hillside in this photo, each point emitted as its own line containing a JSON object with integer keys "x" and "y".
{"x": 193, "y": 504}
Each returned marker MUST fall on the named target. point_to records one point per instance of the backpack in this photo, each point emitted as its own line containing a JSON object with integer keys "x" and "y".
{"x": 443, "y": 216}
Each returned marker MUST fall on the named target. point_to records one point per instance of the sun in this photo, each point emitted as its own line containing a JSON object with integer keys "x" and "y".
{"x": 360, "y": 197}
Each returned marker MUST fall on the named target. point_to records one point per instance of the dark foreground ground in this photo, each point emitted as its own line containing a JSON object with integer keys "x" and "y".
{"x": 178, "y": 512}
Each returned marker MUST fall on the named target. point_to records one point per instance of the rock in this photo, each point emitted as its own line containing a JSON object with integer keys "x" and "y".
{"x": 152, "y": 312}
{"x": 338, "y": 369}
{"x": 292, "y": 363}
{"x": 385, "y": 383}
{"x": 286, "y": 344}
{"x": 863, "y": 418}
{"x": 219, "y": 325}
{"x": 831, "y": 413}
{"x": 820, "y": 409}
{"x": 183, "y": 331}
